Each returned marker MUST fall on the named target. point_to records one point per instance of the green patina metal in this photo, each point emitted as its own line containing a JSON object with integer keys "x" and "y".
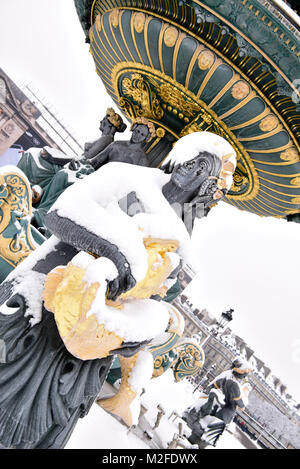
{"x": 147, "y": 54}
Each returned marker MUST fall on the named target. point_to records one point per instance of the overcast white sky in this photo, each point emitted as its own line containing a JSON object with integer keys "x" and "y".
{"x": 246, "y": 262}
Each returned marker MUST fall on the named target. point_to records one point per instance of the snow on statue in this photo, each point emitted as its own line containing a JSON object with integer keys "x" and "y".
{"x": 209, "y": 416}
{"x": 92, "y": 290}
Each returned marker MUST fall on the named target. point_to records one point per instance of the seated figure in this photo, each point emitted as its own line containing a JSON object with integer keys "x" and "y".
{"x": 209, "y": 417}
{"x": 109, "y": 125}
{"x": 91, "y": 291}
{"x": 128, "y": 151}
{"x": 49, "y": 172}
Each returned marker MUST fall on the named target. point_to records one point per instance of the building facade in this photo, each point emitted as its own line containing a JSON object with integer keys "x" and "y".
{"x": 25, "y": 122}
{"x": 272, "y": 417}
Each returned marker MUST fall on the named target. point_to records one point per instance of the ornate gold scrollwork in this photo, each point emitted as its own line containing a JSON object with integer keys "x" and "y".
{"x": 173, "y": 97}
{"x": 15, "y": 211}
{"x": 190, "y": 360}
{"x": 240, "y": 180}
{"x": 153, "y": 95}
{"x": 139, "y": 89}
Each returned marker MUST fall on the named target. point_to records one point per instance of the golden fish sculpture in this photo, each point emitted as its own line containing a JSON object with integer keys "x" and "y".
{"x": 91, "y": 326}
{"x": 70, "y": 297}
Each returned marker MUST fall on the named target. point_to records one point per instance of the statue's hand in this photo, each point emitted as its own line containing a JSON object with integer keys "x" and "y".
{"x": 74, "y": 165}
{"x": 124, "y": 282}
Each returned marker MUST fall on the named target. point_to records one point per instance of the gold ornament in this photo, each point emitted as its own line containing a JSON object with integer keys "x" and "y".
{"x": 98, "y": 22}
{"x": 176, "y": 99}
{"x": 269, "y": 123}
{"x": 69, "y": 297}
{"x": 145, "y": 121}
{"x": 113, "y": 117}
{"x": 160, "y": 132}
{"x": 170, "y": 36}
{"x": 206, "y": 59}
{"x": 296, "y": 200}
{"x": 120, "y": 403}
{"x": 291, "y": 155}
{"x": 240, "y": 90}
{"x": 138, "y": 88}
{"x": 114, "y": 18}
{"x": 139, "y": 22}
{"x": 296, "y": 181}
{"x": 15, "y": 213}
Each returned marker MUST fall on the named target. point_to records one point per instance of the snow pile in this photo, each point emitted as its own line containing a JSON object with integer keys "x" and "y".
{"x": 140, "y": 375}
{"x": 99, "y": 430}
{"x": 30, "y": 284}
{"x": 137, "y": 320}
{"x": 56, "y": 154}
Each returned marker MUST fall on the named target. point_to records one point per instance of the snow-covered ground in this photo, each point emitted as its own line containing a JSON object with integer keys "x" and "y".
{"x": 100, "y": 430}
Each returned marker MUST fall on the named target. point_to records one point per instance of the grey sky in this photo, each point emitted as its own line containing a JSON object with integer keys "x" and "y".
{"x": 245, "y": 262}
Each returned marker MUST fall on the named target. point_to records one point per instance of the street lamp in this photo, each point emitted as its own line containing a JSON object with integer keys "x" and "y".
{"x": 226, "y": 317}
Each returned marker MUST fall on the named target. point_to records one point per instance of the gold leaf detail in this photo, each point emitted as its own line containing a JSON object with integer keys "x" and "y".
{"x": 170, "y": 36}
{"x": 291, "y": 154}
{"x": 206, "y": 59}
{"x": 139, "y": 22}
{"x": 295, "y": 181}
{"x": 114, "y": 18}
{"x": 269, "y": 123}
{"x": 240, "y": 90}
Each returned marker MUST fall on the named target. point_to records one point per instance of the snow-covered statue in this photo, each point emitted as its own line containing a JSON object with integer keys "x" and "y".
{"x": 131, "y": 151}
{"x": 210, "y": 415}
{"x": 109, "y": 126}
{"x": 92, "y": 290}
{"x": 49, "y": 172}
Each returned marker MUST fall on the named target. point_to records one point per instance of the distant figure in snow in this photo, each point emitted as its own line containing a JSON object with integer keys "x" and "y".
{"x": 131, "y": 151}
{"x": 209, "y": 417}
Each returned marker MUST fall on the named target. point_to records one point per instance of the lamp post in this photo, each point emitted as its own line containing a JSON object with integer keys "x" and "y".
{"x": 225, "y": 319}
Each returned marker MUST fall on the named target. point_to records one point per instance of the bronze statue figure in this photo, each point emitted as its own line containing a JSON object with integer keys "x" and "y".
{"x": 102, "y": 250}
{"x": 128, "y": 151}
{"x": 109, "y": 125}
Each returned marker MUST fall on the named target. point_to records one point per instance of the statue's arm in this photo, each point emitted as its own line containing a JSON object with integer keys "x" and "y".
{"x": 84, "y": 240}
{"x": 100, "y": 159}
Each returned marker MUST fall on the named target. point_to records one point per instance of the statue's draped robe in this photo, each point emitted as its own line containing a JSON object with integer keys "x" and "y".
{"x": 53, "y": 179}
{"x": 43, "y": 388}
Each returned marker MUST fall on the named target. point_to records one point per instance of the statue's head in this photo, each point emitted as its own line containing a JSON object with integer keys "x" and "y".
{"x": 112, "y": 122}
{"x": 202, "y": 162}
{"x": 142, "y": 130}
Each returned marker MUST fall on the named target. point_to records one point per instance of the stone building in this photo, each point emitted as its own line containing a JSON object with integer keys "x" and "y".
{"x": 18, "y": 119}
{"x": 25, "y": 122}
